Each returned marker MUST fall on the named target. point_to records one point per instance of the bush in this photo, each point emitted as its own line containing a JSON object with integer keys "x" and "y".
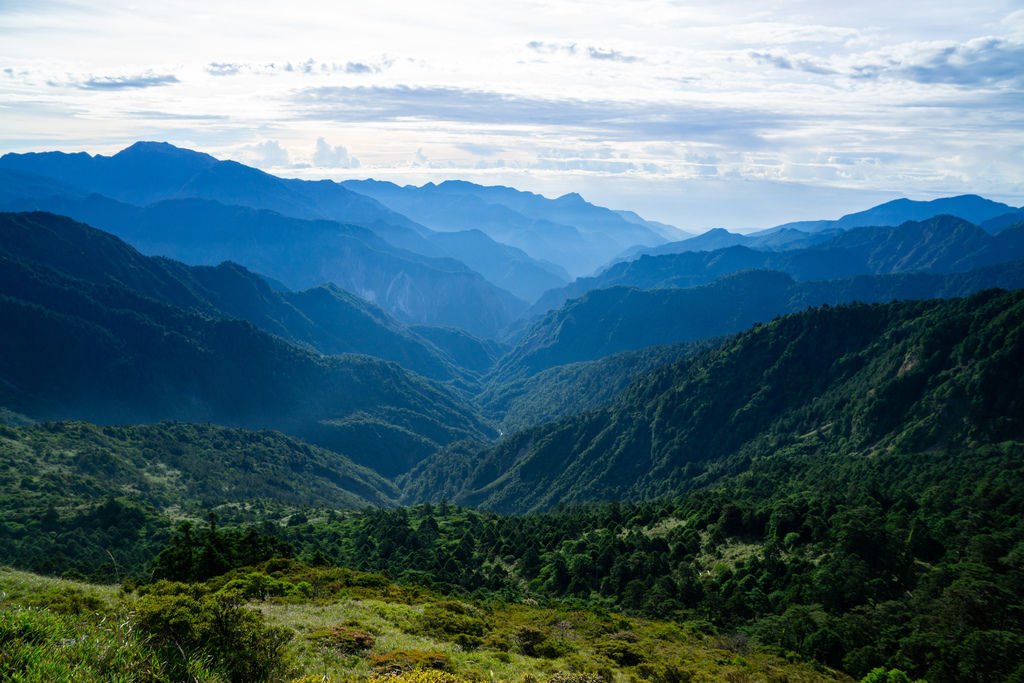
{"x": 185, "y": 624}
{"x": 665, "y": 673}
{"x": 622, "y": 652}
{"x": 67, "y": 601}
{"x": 496, "y": 642}
{"x": 533, "y": 642}
{"x": 345, "y": 640}
{"x": 452, "y": 620}
{"x": 880, "y": 675}
{"x": 407, "y": 661}
{"x": 420, "y": 676}
{"x": 568, "y": 677}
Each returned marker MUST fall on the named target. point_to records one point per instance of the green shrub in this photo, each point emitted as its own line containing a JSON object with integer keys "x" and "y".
{"x": 496, "y": 642}
{"x": 420, "y": 676}
{"x": 453, "y": 621}
{"x": 184, "y": 624}
{"x": 67, "y": 601}
{"x": 620, "y": 651}
{"x": 533, "y": 642}
{"x": 664, "y": 673}
{"x": 880, "y": 675}
{"x": 573, "y": 677}
{"x": 345, "y": 640}
{"x": 405, "y": 661}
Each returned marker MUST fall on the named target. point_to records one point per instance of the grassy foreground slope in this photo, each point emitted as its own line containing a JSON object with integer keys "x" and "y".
{"x": 288, "y": 622}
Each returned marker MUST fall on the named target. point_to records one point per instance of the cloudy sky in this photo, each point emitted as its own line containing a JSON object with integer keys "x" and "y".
{"x": 736, "y": 113}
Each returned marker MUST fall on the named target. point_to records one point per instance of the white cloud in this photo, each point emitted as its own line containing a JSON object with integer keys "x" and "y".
{"x": 846, "y": 96}
{"x": 266, "y": 154}
{"x": 326, "y": 156}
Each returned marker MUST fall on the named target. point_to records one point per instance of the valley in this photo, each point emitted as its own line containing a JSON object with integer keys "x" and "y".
{"x": 459, "y": 432}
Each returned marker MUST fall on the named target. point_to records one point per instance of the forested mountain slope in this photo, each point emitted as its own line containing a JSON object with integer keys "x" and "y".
{"x": 899, "y": 377}
{"x": 325, "y": 318}
{"x": 526, "y": 400}
{"x": 608, "y": 321}
{"x": 303, "y": 253}
{"x": 105, "y": 350}
{"x": 74, "y": 495}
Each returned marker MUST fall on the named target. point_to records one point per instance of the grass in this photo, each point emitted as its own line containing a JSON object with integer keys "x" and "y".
{"x": 56, "y": 630}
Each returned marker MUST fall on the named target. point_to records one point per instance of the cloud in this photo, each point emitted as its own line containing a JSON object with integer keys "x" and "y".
{"x": 551, "y": 48}
{"x": 981, "y": 61}
{"x": 612, "y": 119}
{"x": 572, "y": 49}
{"x": 326, "y": 156}
{"x": 789, "y": 63}
{"x": 610, "y": 55}
{"x": 134, "y": 82}
{"x": 173, "y": 116}
{"x": 266, "y": 154}
{"x": 309, "y": 67}
{"x": 978, "y": 62}
{"x": 596, "y": 166}
{"x": 479, "y": 149}
{"x": 778, "y": 61}
{"x": 224, "y": 68}
{"x": 360, "y": 68}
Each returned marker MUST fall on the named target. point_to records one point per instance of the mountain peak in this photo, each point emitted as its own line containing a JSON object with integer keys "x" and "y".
{"x": 150, "y": 149}
{"x": 572, "y": 198}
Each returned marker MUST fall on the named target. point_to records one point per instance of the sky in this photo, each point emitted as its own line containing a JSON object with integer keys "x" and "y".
{"x": 732, "y": 113}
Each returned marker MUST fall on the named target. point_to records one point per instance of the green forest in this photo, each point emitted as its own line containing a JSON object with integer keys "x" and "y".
{"x": 199, "y": 489}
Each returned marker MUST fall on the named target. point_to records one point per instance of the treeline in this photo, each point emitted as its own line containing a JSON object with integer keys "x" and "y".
{"x": 910, "y": 561}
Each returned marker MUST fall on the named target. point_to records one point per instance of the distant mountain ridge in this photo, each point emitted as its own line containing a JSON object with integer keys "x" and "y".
{"x": 969, "y": 207}
{"x": 148, "y": 173}
{"x": 616, "y": 319}
{"x": 301, "y": 253}
{"x": 990, "y": 215}
{"x": 943, "y": 244}
{"x": 148, "y": 346}
{"x": 577, "y": 235}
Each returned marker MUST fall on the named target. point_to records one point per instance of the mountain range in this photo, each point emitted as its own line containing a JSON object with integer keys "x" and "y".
{"x": 811, "y": 437}
{"x": 155, "y": 340}
{"x": 607, "y": 321}
{"x": 991, "y": 216}
{"x": 942, "y": 244}
{"x": 575, "y": 234}
{"x": 858, "y": 379}
{"x": 103, "y": 191}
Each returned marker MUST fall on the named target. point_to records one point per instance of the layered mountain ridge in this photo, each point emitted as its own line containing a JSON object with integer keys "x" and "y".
{"x": 147, "y": 347}
{"x": 897, "y": 377}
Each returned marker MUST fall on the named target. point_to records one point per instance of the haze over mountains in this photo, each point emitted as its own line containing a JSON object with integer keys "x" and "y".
{"x": 96, "y": 331}
{"x": 573, "y": 233}
{"x": 745, "y": 421}
{"x": 989, "y": 215}
{"x": 378, "y": 320}
{"x": 941, "y": 244}
{"x": 328, "y": 232}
